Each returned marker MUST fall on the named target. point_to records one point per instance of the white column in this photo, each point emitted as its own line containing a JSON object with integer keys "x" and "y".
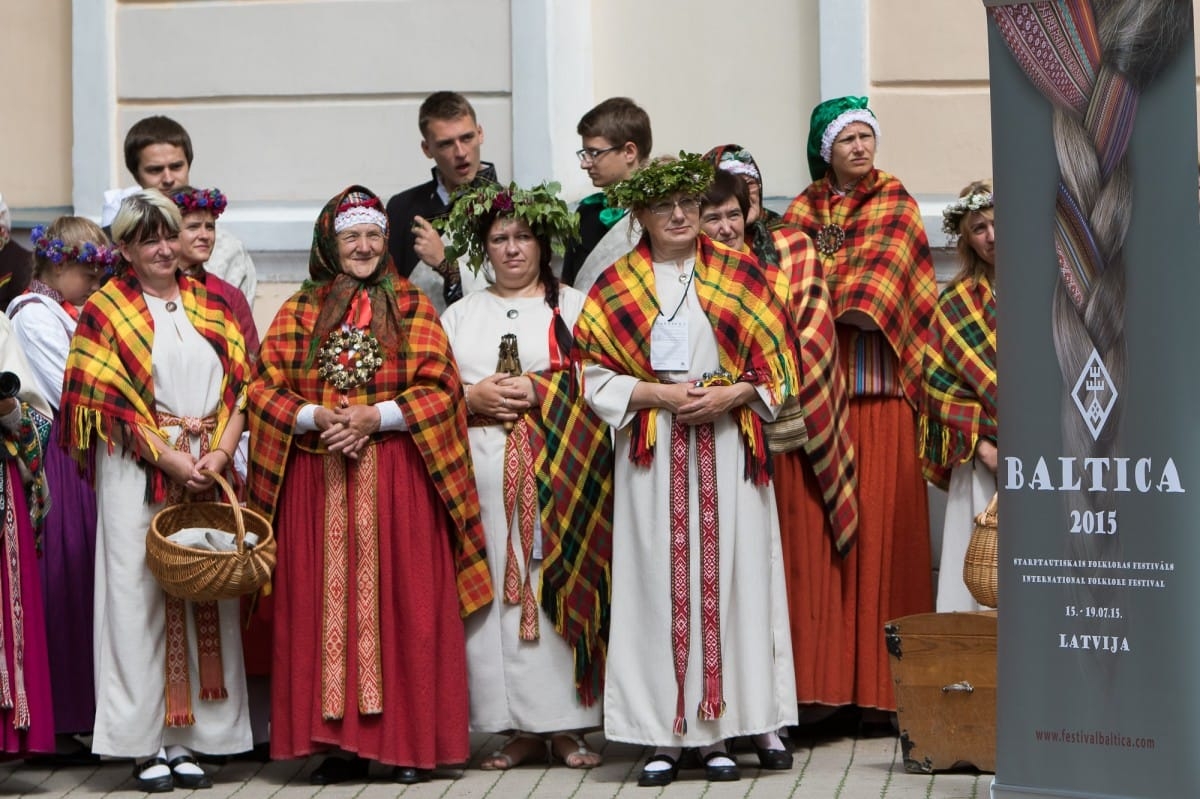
{"x": 551, "y": 90}
{"x": 844, "y": 48}
{"x": 93, "y": 104}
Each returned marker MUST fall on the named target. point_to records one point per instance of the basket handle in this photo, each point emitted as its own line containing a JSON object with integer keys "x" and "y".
{"x": 231, "y": 499}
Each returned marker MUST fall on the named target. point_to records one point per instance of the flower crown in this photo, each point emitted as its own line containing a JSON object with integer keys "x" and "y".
{"x": 211, "y": 200}
{"x": 539, "y": 207}
{"x": 55, "y": 251}
{"x": 689, "y": 175}
{"x": 952, "y": 214}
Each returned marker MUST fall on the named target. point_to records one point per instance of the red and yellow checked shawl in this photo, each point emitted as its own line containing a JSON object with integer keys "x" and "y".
{"x": 574, "y": 470}
{"x": 823, "y": 384}
{"x": 108, "y": 387}
{"x": 422, "y": 378}
{"x": 884, "y": 269}
{"x": 754, "y": 338}
{"x": 960, "y": 379}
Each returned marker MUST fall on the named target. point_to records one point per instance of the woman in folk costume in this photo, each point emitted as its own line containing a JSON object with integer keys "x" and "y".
{"x": 153, "y": 394}
{"x": 359, "y": 451}
{"x": 686, "y": 355}
{"x": 876, "y": 261}
{"x": 26, "y": 707}
{"x": 958, "y": 422}
{"x": 70, "y": 257}
{"x": 815, "y": 479}
{"x": 543, "y": 464}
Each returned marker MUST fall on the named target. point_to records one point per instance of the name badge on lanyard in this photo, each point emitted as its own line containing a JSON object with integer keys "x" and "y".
{"x": 669, "y": 345}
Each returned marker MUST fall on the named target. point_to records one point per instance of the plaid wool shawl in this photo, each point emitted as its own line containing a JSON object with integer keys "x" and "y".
{"x": 423, "y": 380}
{"x": 822, "y": 392}
{"x": 884, "y": 268}
{"x": 574, "y": 470}
{"x": 754, "y": 340}
{"x": 960, "y": 379}
{"x": 108, "y": 386}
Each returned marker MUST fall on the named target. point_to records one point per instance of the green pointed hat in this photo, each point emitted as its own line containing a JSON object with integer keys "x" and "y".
{"x": 828, "y": 120}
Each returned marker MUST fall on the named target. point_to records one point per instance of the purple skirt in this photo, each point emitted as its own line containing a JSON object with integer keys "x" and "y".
{"x": 68, "y": 574}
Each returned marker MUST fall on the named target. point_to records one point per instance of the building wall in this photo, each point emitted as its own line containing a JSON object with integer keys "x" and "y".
{"x": 35, "y": 136}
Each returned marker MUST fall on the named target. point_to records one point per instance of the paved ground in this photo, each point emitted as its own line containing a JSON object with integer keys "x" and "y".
{"x": 827, "y": 766}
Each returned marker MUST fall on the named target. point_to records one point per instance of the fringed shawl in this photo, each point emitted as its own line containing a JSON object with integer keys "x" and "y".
{"x": 748, "y": 318}
{"x": 420, "y": 376}
{"x": 960, "y": 379}
{"x": 574, "y": 470}
{"x": 822, "y": 385}
{"x": 883, "y": 269}
{"x": 108, "y": 387}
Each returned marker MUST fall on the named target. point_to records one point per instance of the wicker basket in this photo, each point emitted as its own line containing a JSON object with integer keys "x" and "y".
{"x": 199, "y": 574}
{"x": 788, "y": 431}
{"x": 980, "y": 566}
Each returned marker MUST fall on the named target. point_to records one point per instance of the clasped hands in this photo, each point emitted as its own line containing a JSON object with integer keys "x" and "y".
{"x": 693, "y": 405}
{"x": 345, "y": 431}
{"x": 501, "y": 396}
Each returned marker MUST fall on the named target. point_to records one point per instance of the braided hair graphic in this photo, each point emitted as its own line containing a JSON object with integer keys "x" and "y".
{"x": 1092, "y": 60}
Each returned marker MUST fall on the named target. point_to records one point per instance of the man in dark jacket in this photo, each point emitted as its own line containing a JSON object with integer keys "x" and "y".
{"x": 452, "y": 136}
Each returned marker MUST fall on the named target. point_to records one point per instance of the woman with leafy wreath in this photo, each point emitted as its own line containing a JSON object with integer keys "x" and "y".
{"x": 686, "y": 351}
{"x": 543, "y": 464}
{"x": 358, "y": 435}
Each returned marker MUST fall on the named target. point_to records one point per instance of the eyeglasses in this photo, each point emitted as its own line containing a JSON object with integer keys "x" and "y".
{"x": 590, "y": 154}
{"x": 689, "y": 205}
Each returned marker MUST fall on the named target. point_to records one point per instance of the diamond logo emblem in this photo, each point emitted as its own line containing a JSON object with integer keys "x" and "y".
{"x": 1094, "y": 394}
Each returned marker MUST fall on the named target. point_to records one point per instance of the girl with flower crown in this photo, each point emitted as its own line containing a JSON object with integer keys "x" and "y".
{"x": 359, "y": 453}
{"x": 535, "y": 656}
{"x": 958, "y": 420}
{"x": 71, "y": 257}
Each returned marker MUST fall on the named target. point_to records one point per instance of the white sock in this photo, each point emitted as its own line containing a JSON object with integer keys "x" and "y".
{"x": 769, "y": 741}
{"x": 672, "y": 752}
{"x": 183, "y": 768}
{"x": 720, "y": 762}
{"x": 155, "y": 771}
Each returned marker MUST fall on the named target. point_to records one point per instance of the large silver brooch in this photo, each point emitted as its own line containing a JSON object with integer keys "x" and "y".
{"x": 349, "y": 358}
{"x": 830, "y": 239}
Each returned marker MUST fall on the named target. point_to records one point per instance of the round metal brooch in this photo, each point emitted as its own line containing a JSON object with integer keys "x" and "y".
{"x": 830, "y": 239}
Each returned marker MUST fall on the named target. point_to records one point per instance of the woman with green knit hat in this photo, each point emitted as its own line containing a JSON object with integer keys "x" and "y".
{"x": 868, "y": 232}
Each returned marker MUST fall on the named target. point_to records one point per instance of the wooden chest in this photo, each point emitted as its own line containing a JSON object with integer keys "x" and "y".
{"x": 944, "y": 670}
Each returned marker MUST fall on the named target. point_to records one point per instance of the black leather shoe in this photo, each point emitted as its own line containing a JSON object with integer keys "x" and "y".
{"x": 774, "y": 759}
{"x": 407, "y": 775}
{"x": 185, "y": 780}
{"x": 161, "y": 784}
{"x": 728, "y": 773}
{"x": 339, "y": 769}
{"x": 655, "y": 778}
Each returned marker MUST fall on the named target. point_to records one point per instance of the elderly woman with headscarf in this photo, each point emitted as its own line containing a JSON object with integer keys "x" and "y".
{"x": 686, "y": 354}
{"x": 152, "y": 396}
{"x": 877, "y": 265}
{"x": 543, "y": 464}
{"x": 359, "y": 451}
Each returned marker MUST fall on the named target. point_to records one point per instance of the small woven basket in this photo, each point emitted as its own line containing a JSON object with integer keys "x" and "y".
{"x": 788, "y": 431}
{"x": 981, "y": 564}
{"x": 201, "y": 575}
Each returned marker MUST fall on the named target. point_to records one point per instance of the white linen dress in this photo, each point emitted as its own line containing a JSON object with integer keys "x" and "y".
{"x": 514, "y": 684}
{"x": 130, "y": 638}
{"x": 756, "y": 651}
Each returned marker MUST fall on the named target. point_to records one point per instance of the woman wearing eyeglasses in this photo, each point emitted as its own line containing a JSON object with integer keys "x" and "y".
{"x": 685, "y": 356}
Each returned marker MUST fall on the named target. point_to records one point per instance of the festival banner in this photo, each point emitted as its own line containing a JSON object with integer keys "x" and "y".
{"x": 1098, "y": 281}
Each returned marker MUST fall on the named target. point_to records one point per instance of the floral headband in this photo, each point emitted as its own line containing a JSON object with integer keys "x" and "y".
{"x": 689, "y": 175}
{"x": 55, "y": 251}
{"x": 952, "y": 214}
{"x": 211, "y": 200}
{"x": 539, "y": 207}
